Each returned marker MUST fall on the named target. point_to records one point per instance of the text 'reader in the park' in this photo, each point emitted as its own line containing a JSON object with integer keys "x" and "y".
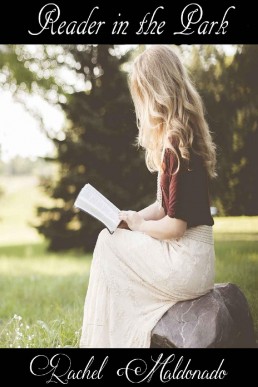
{"x": 192, "y": 20}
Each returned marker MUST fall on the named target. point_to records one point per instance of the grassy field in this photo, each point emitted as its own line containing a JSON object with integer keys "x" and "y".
{"x": 42, "y": 293}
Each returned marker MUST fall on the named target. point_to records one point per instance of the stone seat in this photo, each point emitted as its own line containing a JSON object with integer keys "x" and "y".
{"x": 219, "y": 319}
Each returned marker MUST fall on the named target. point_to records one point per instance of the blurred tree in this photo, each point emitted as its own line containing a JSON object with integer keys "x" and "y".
{"x": 32, "y": 69}
{"x": 97, "y": 148}
{"x": 244, "y": 94}
{"x": 207, "y": 66}
{"x": 228, "y": 85}
{"x": 19, "y": 165}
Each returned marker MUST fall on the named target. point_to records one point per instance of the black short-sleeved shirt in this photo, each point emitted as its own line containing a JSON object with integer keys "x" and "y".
{"x": 185, "y": 193}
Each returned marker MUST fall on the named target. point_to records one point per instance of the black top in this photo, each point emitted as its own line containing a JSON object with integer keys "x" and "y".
{"x": 185, "y": 193}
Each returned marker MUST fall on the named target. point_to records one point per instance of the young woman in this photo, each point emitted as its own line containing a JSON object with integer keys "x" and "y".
{"x": 168, "y": 254}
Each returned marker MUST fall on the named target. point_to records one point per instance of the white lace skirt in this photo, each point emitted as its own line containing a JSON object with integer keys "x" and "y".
{"x": 135, "y": 279}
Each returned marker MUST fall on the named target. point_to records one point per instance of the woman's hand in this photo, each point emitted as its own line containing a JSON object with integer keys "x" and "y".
{"x": 133, "y": 219}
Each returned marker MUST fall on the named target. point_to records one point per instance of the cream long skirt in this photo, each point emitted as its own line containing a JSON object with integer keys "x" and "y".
{"x": 135, "y": 279}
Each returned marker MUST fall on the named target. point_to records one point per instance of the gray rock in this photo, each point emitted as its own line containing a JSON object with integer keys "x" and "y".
{"x": 220, "y": 319}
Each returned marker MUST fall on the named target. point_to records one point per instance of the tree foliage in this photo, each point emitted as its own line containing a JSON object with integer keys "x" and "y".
{"x": 229, "y": 88}
{"x": 98, "y": 148}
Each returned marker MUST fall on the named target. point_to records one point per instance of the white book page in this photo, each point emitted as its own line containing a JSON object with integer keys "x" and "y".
{"x": 97, "y": 205}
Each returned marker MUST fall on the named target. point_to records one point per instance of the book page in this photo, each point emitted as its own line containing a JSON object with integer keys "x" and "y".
{"x": 97, "y": 205}
{"x": 101, "y": 202}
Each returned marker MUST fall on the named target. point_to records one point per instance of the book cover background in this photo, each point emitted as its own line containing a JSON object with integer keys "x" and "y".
{"x": 67, "y": 118}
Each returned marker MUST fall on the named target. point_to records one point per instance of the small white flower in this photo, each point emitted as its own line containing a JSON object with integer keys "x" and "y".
{"x": 21, "y": 325}
{"x": 43, "y": 325}
{"x": 19, "y": 346}
{"x": 27, "y": 327}
{"x": 7, "y": 333}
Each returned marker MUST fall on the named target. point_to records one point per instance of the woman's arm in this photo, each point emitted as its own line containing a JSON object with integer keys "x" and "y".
{"x": 165, "y": 228}
{"x": 152, "y": 212}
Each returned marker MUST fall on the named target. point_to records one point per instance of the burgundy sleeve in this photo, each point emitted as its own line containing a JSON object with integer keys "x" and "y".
{"x": 173, "y": 186}
{"x": 177, "y": 203}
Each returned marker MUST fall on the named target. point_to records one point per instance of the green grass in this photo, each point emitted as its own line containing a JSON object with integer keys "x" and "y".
{"x": 42, "y": 293}
{"x": 46, "y": 290}
{"x": 236, "y": 246}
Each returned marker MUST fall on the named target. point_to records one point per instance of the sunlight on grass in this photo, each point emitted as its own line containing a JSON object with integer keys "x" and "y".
{"x": 236, "y": 246}
{"x": 21, "y": 195}
{"x": 43, "y": 265}
{"x": 236, "y": 228}
{"x": 236, "y": 224}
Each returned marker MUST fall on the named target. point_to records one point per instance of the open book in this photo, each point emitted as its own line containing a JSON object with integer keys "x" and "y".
{"x": 94, "y": 203}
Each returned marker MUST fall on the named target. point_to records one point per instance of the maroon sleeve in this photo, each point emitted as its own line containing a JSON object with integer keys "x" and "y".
{"x": 175, "y": 192}
{"x": 173, "y": 189}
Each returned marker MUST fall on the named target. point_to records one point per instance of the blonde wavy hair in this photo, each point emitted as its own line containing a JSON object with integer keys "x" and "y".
{"x": 169, "y": 110}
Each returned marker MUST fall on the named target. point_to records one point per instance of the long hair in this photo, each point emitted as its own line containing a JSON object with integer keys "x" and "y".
{"x": 169, "y": 110}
